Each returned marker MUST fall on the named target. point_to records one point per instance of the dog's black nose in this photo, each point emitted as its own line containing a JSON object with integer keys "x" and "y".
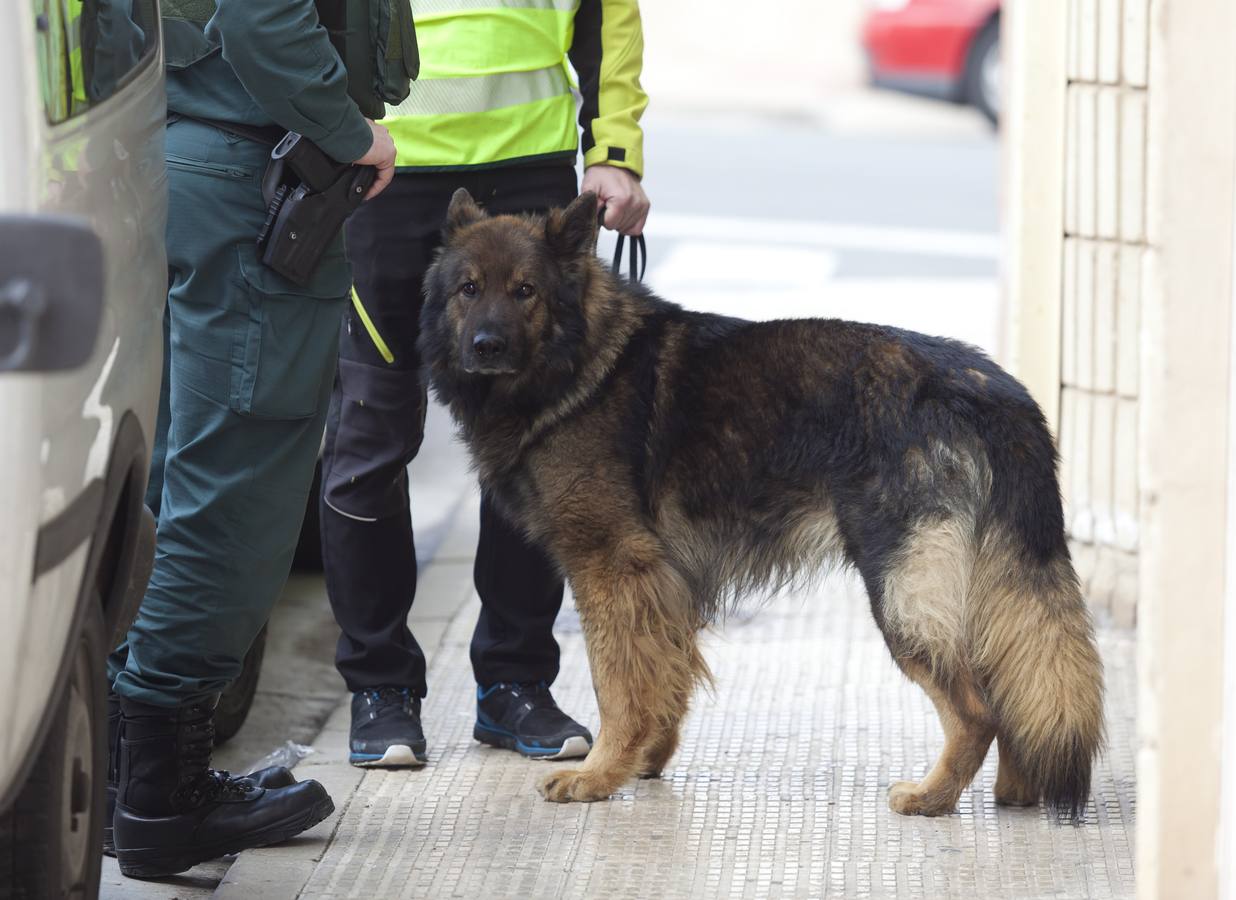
{"x": 488, "y": 345}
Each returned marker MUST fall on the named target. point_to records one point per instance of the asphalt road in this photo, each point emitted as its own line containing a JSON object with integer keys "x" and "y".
{"x": 740, "y": 166}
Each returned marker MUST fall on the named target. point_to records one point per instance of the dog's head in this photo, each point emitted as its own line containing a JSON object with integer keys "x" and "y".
{"x": 503, "y": 297}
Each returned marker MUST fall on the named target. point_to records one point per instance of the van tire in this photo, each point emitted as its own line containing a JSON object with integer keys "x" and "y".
{"x": 51, "y": 839}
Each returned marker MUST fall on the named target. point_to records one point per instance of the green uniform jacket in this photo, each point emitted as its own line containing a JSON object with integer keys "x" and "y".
{"x": 263, "y": 62}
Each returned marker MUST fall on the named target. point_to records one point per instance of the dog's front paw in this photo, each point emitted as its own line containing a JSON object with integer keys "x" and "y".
{"x": 909, "y": 799}
{"x": 566, "y": 785}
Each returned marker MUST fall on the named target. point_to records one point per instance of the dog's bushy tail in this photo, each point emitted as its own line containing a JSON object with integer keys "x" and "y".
{"x": 1036, "y": 653}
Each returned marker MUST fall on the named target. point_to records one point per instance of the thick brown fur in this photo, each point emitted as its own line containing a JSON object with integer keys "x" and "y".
{"x": 674, "y": 462}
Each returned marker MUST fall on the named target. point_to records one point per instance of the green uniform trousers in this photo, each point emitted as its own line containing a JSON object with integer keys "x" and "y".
{"x": 249, "y": 363}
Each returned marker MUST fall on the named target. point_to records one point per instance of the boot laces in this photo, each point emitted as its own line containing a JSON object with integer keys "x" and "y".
{"x": 198, "y": 782}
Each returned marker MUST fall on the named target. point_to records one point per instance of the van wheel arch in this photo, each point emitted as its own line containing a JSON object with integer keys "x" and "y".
{"x": 123, "y": 550}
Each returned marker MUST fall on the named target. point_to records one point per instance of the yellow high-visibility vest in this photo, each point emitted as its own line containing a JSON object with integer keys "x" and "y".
{"x": 53, "y": 54}
{"x": 73, "y": 36}
{"x": 495, "y": 84}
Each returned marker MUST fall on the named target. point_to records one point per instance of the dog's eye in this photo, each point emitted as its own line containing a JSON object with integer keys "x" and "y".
{"x": 524, "y": 291}
{"x": 469, "y": 288}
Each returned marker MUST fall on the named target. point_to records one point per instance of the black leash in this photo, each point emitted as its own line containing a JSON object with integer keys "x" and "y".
{"x": 639, "y": 253}
{"x": 639, "y": 257}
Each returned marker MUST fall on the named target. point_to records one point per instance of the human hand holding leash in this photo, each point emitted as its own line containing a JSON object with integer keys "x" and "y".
{"x": 381, "y": 155}
{"x": 619, "y": 191}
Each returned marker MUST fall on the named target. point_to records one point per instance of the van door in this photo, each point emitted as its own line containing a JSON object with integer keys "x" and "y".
{"x": 86, "y": 111}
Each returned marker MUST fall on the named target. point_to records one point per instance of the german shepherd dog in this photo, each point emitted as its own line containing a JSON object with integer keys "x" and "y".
{"x": 671, "y": 462}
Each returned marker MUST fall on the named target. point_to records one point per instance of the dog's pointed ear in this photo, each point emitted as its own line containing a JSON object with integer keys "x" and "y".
{"x": 462, "y": 212}
{"x": 573, "y": 231}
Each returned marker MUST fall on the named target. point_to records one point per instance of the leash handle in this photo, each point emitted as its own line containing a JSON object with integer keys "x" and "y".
{"x": 638, "y": 262}
{"x": 639, "y": 257}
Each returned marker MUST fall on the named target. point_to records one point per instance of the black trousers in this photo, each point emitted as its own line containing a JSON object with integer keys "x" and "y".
{"x": 374, "y": 430}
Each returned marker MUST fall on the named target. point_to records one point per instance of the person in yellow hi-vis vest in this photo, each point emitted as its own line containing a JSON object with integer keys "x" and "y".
{"x": 73, "y": 39}
{"x": 493, "y": 112}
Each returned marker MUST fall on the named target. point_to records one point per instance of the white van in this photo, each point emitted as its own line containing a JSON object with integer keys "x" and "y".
{"x": 83, "y": 281}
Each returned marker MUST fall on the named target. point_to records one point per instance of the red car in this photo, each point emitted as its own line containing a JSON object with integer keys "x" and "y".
{"x": 941, "y": 48}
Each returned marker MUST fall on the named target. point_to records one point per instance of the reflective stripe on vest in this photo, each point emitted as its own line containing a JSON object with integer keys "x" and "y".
{"x": 493, "y": 85}
{"x": 482, "y": 93}
{"x": 424, "y": 8}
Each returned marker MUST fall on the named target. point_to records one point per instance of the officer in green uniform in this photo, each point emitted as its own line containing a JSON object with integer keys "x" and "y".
{"x": 250, "y": 360}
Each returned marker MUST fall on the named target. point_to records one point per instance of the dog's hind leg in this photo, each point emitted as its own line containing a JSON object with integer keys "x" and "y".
{"x": 923, "y": 596}
{"x": 969, "y": 727}
{"x": 1013, "y": 788}
{"x": 641, "y": 647}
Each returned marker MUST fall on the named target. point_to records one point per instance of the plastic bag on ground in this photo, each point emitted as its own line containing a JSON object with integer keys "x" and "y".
{"x": 287, "y": 754}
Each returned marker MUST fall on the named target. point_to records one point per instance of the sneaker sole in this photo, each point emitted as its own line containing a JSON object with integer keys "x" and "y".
{"x": 574, "y": 747}
{"x": 157, "y": 862}
{"x": 397, "y": 756}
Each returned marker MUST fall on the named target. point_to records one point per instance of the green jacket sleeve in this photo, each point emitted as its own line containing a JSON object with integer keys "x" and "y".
{"x": 608, "y": 55}
{"x": 285, "y": 61}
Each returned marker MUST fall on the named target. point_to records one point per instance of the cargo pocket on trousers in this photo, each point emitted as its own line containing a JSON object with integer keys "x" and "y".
{"x": 283, "y": 367}
{"x": 381, "y": 423}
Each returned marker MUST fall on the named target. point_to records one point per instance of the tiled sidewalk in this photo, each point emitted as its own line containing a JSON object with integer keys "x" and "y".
{"x": 778, "y": 790}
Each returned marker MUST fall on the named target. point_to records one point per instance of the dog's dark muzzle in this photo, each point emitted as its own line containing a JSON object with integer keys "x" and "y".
{"x": 489, "y": 353}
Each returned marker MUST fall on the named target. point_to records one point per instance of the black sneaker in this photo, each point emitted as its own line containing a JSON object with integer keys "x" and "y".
{"x": 386, "y": 729}
{"x": 525, "y": 718}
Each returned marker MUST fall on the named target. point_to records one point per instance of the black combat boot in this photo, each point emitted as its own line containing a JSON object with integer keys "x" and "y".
{"x": 274, "y": 777}
{"x": 113, "y": 770}
{"x": 173, "y": 811}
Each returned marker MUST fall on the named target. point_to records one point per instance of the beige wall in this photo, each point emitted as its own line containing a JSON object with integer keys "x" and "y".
{"x": 1034, "y": 36}
{"x": 1185, "y": 359}
{"x": 1227, "y": 802}
{"x": 1105, "y": 243}
{"x": 1144, "y": 92}
{"x": 1076, "y": 225}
